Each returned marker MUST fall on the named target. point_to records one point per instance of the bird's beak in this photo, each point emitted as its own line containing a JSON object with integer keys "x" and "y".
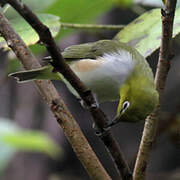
{"x": 114, "y": 121}
{"x": 121, "y": 111}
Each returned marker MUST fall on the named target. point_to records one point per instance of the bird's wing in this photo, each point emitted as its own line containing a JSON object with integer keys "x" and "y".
{"x": 44, "y": 72}
{"x": 90, "y": 50}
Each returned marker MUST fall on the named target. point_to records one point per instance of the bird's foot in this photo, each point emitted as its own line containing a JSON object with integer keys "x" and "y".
{"x": 100, "y": 132}
{"x": 84, "y": 105}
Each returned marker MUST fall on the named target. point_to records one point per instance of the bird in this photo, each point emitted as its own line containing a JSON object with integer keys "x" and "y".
{"x": 113, "y": 71}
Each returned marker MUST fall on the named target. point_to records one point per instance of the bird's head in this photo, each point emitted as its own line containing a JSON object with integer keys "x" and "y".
{"x": 136, "y": 102}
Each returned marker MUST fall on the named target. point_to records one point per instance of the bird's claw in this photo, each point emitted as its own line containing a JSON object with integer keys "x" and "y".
{"x": 100, "y": 132}
{"x": 93, "y": 105}
{"x": 83, "y": 104}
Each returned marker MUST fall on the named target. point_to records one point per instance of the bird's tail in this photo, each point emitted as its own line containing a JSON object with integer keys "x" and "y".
{"x": 45, "y": 72}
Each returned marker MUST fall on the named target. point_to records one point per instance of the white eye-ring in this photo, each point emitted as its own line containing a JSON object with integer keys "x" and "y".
{"x": 125, "y": 106}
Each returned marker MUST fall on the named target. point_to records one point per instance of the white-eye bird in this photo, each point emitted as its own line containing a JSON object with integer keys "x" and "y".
{"x": 111, "y": 70}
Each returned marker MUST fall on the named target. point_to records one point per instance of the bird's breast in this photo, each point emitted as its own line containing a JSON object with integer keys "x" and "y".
{"x": 86, "y": 65}
{"x": 103, "y": 76}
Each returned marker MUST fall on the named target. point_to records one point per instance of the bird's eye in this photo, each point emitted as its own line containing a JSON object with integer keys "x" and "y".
{"x": 125, "y": 105}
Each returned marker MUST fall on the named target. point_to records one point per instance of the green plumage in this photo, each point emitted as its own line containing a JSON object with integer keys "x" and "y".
{"x": 115, "y": 71}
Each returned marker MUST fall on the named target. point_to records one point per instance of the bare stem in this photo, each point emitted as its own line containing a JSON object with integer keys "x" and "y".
{"x": 48, "y": 92}
{"x": 59, "y": 65}
{"x": 160, "y": 80}
{"x": 92, "y": 26}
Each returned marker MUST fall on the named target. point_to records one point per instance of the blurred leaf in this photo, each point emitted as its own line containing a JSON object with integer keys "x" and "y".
{"x": 144, "y": 33}
{"x": 79, "y": 11}
{"x": 35, "y": 5}
{"x": 38, "y": 5}
{"x": 153, "y": 3}
{"x": 28, "y": 34}
{"x": 124, "y": 3}
{"x": 31, "y": 141}
{"x": 14, "y": 138}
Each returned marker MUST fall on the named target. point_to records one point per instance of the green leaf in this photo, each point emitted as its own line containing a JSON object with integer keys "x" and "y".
{"x": 39, "y": 5}
{"x": 144, "y": 33}
{"x": 35, "y": 5}
{"x": 27, "y": 33}
{"x": 79, "y": 11}
{"x": 16, "y": 138}
{"x": 124, "y": 3}
{"x": 31, "y": 141}
{"x": 154, "y": 3}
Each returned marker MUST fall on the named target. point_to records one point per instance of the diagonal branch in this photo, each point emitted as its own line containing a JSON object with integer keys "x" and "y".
{"x": 48, "y": 92}
{"x": 59, "y": 64}
{"x": 163, "y": 67}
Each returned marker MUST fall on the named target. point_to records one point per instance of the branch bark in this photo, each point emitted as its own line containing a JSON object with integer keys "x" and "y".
{"x": 163, "y": 67}
{"x": 59, "y": 65}
{"x": 48, "y": 92}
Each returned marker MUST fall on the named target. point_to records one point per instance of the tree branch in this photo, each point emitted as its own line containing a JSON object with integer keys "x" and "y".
{"x": 59, "y": 64}
{"x": 163, "y": 67}
{"x": 71, "y": 129}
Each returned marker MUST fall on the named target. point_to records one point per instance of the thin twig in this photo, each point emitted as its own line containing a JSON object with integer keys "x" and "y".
{"x": 92, "y": 26}
{"x": 59, "y": 64}
{"x": 71, "y": 129}
{"x": 163, "y": 67}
